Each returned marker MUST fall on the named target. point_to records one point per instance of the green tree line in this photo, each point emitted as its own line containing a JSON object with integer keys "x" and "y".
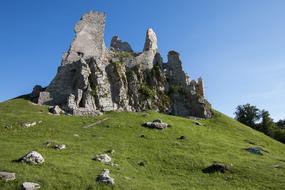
{"x": 260, "y": 120}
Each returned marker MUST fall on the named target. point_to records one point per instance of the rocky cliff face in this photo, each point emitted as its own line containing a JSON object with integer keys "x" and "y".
{"x": 93, "y": 79}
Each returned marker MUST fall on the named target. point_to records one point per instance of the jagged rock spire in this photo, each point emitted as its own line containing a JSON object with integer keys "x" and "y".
{"x": 118, "y": 45}
{"x": 93, "y": 79}
{"x": 150, "y": 41}
{"x": 89, "y": 38}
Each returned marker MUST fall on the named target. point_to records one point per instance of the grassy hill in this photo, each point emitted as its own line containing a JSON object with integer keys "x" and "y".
{"x": 169, "y": 163}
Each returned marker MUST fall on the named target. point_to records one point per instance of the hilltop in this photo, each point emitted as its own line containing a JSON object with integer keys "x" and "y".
{"x": 113, "y": 118}
{"x": 146, "y": 158}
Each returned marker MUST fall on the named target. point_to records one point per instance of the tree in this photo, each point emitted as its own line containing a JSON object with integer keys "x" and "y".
{"x": 281, "y": 124}
{"x": 261, "y": 121}
{"x": 248, "y": 115}
{"x": 267, "y": 125}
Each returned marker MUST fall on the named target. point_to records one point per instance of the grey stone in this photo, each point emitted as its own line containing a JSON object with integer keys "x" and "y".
{"x": 7, "y": 176}
{"x": 156, "y": 125}
{"x": 30, "y": 186}
{"x": 56, "y": 110}
{"x": 105, "y": 178}
{"x": 59, "y": 146}
{"x": 32, "y": 158}
{"x": 151, "y": 40}
{"x": 89, "y": 39}
{"x": 30, "y": 124}
{"x": 104, "y": 158}
{"x": 118, "y": 45}
{"x": 44, "y": 98}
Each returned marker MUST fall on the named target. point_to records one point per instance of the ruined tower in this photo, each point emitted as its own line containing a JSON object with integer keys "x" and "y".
{"x": 93, "y": 79}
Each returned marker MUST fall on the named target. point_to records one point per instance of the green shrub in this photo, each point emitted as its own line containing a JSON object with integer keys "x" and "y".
{"x": 147, "y": 91}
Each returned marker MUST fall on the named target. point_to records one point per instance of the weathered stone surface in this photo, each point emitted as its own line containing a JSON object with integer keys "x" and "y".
{"x": 59, "y": 146}
{"x": 216, "y": 167}
{"x": 92, "y": 79}
{"x": 104, "y": 158}
{"x": 156, "y": 124}
{"x": 89, "y": 39}
{"x": 32, "y": 158}
{"x": 105, "y": 178}
{"x": 31, "y": 124}
{"x": 118, "y": 45}
{"x": 30, "y": 186}
{"x": 56, "y": 110}
{"x": 150, "y": 41}
{"x": 7, "y": 176}
{"x": 44, "y": 98}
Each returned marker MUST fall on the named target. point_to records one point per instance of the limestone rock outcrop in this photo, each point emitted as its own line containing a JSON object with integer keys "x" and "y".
{"x": 7, "y": 176}
{"x": 151, "y": 41}
{"x": 119, "y": 45}
{"x": 32, "y": 158}
{"x": 30, "y": 186}
{"x": 104, "y": 177}
{"x": 93, "y": 79}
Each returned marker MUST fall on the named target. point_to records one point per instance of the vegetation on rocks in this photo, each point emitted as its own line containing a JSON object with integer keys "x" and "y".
{"x": 124, "y": 54}
{"x": 147, "y": 91}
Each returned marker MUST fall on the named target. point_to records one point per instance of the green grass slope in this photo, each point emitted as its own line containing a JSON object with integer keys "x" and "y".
{"x": 169, "y": 163}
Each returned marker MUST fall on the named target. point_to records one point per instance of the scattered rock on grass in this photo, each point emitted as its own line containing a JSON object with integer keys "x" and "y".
{"x": 104, "y": 158}
{"x": 156, "y": 124}
{"x": 59, "y": 146}
{"x": 7, "y": 176}
{"x": 255, "y": 150}
{"x": 29, "y": 124}
{"x": 216, "y": 167}
{"x": 32, "y": 158}
{"x": 30, "y": 186}
{"x": 56, "y": 110}
{"x": 105, "y": 178}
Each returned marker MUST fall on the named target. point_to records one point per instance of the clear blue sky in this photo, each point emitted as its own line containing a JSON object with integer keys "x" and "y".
{"x": 237, "y": 46}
